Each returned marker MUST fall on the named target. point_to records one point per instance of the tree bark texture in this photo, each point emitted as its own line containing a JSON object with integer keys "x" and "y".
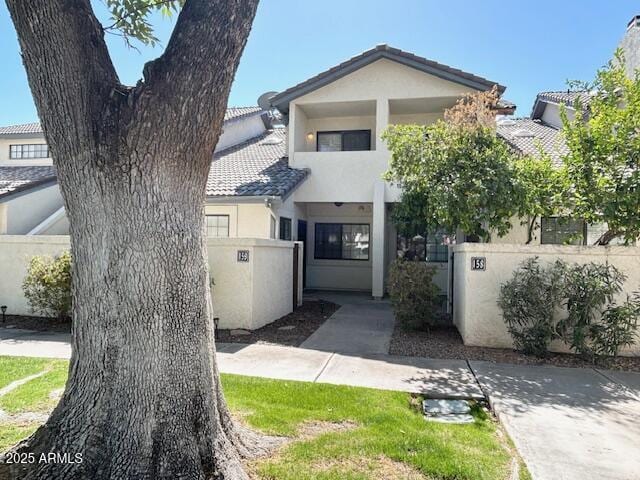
{"x": 143, "y": 399}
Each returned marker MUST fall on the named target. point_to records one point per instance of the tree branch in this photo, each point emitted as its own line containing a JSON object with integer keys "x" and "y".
{"x": 68, "y": 66}
{"x": 199, "y": 63}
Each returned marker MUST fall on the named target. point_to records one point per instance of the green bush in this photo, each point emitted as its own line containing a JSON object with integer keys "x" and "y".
{"x": 528, "y": 302}
{"x": 47, "y": 286}
{"x": 574, "y": 303}
{"x": 414, "y": 296}
{"x": 594, "y": 324}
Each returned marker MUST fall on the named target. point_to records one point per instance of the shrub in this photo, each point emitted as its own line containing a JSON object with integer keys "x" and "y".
{"x": 594, "y": 324}
{"x": 47, "y": 286}
{"x": 414, "y": 296}
{"x": 528, "y": 302}
{"x": 591, "y": 324}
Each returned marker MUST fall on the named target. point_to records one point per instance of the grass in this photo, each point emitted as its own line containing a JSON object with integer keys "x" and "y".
{"x": 15, "y": 368}
{"x": 385, "y": 436}
{"x": 33, "y": 396}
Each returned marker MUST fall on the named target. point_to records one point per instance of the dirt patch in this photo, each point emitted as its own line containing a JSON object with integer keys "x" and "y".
{"x": 446, "y": 343}
{"x": 380, "y": 468}
{"x": 39, "y": 324}
{"x": 290, "y": 330}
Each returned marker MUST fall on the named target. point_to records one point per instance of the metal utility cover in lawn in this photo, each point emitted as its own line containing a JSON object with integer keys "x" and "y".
{"x": 459, "y": 418}
{"x": 433, "y": 407}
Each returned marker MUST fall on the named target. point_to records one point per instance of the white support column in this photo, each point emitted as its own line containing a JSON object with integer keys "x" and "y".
{"x": 3, "y": 218}
{"x": 378, "y": 241}
{"x": 382, "y": 121}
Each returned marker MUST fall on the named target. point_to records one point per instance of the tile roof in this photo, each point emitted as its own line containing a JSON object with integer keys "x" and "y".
{"x": 256, "y": 167}
{"x": 528, "y": 136}
{"x": 18, "y": 178}
{"x": 282, "y": 99}
{"x": 567, "y": 97}
{"x": 232, "y": 113}
{"x": 20, "y": 129}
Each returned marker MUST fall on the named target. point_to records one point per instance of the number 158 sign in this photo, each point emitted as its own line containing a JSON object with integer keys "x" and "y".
{"x": 478, "y": 263}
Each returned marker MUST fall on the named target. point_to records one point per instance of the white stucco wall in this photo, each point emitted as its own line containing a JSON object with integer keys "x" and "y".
{"x": 238, "y": 131}
{"x": 15, "y": 253}
{"x": 350, "y": 176}
{"x": 25, "y": 212}
{"x": 475, "y": 293}
{"x": 245, "y": 295}
{"x": 6, "y": 142}
{"x": 551, "y": 114}
{"x": 338, "y": 274}
{"x": 250, "y": 294}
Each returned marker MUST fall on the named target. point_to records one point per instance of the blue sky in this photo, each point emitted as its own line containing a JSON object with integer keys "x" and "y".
{"x": 527, "y": 46}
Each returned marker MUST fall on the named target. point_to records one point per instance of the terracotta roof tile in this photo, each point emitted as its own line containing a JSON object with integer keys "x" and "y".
{"x": 256, "y": 167}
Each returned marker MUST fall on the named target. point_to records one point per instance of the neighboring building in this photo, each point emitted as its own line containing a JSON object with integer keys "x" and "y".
{"x": 30, "y": 200}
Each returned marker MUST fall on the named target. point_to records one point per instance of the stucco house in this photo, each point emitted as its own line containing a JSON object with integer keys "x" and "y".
{"x": 30, "y": 200}
{"x": 308, "y": 166}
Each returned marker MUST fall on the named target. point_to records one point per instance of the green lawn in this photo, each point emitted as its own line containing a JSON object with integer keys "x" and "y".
{"x": 337, "y": 432}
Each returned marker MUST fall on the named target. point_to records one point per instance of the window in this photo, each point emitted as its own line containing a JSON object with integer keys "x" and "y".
{"x": 561, "y": 231}
{"x": 344, "y": 141}
{"x": 285, "y": 228}
{"x": 428, "y": 248}
{"x": 217, "y": 225}
{"x": 29, "y": 151}
{"x": 341, "y": 241}
{"x": 272, "y": 227}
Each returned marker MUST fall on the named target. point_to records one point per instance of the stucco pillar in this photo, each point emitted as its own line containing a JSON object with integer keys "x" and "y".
{"x": 3, "y": 218}
{"x": 382, "y": 121}
{"x": 378, "y": 241}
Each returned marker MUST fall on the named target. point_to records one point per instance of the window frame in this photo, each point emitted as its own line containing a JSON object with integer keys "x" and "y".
{"x": 218, "y": 226}
{"x": 342, "y": 132}
{"x": 20, "y": 147}
{"x": 578, "y": 241}
{"x": 341, "y": 258}
{"x": 287, "y": 221}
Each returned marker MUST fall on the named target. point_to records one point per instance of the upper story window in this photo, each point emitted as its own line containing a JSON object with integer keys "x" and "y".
{"x": 344, "y": 141}
{"x": 217, "y": 225}
{"x": 561, "y": 231}
{"x": 38, "y": 150}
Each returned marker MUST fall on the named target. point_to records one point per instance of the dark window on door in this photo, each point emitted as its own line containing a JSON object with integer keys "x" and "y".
{"x": 285, "y": 228}
{"x": 562, "y": 231}
{"x": 344, "y": 141}
{"x": 341, "y": 241}
{"x": 426, "y": 247}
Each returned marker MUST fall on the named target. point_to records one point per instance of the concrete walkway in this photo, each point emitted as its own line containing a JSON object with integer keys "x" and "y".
{"x": 361, "y": 326}
{"x": 436, "y": 378}
{"x": 568, "y": 423}
{"x": 27, "y": 343}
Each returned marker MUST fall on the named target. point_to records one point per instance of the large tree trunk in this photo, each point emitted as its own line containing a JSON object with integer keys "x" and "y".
{"x": 143, "y": 399}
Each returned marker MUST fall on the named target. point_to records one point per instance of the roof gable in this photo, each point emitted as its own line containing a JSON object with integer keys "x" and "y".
{"x": 282, "y": 99}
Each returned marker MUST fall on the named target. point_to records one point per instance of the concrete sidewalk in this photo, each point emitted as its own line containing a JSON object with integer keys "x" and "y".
{"x": 27, "y": 343}
{"x": 568, "y": 423}
{"x": 435, "y": 378}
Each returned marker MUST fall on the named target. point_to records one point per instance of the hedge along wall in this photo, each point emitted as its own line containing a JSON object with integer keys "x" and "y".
{"x": 475, "y": 292}
{"x": 246, "y": 294}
